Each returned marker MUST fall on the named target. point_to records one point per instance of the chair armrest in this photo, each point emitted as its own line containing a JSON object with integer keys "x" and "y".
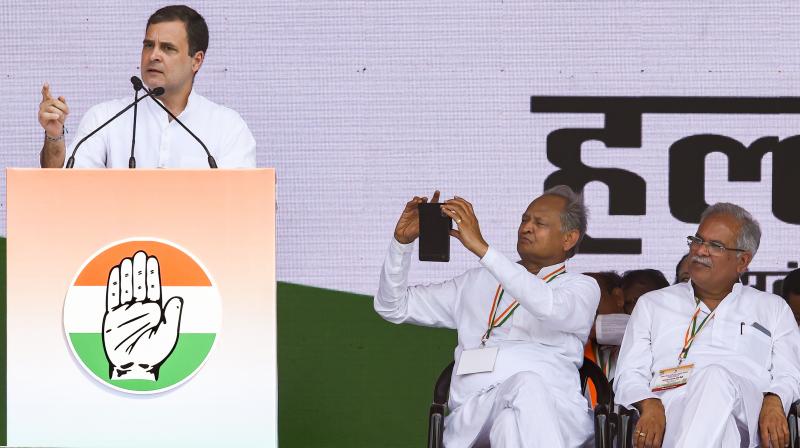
{"x": 792, "y": 420}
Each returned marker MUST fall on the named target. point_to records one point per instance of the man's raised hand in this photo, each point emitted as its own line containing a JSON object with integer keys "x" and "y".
{"x": 468, "y": 232}
{"x": 407, "y": 229}
{"x": 53, "y": 113}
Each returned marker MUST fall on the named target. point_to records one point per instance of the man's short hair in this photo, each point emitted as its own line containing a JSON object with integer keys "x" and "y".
{"x": 196, "y": 28}
{"x": 791, "y": 284}
{"x": 574, "y": 216}
{"x": 749, "y": 236}
{"x": 606, "y": 280}
{"x": 652, "y": 278}
{"x": 678, "y": 268}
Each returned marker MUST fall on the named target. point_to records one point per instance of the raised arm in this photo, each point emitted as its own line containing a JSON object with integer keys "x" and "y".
{"x": 53, "y": 114}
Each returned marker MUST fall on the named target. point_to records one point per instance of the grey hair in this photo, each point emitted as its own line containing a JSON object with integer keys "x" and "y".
{"x": 749, "y": 236}
{"x": 574, "y": 217}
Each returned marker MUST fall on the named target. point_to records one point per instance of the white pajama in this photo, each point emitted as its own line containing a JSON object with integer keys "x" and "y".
{"x": 750, "y": 347}
{"x": 716, "y": 408}
{"x": 532, "y": 397}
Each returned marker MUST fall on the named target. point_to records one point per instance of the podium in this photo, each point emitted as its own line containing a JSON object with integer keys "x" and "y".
{"x": 141, "y": 308}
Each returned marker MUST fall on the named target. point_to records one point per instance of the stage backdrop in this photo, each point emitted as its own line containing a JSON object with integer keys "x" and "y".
{"x": 362, "y": 105}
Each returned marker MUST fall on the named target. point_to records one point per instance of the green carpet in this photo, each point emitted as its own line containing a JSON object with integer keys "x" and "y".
{"x": 346, "y": 378}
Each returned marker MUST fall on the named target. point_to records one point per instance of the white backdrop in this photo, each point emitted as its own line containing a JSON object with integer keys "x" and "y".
{"x": 360, "y": 105}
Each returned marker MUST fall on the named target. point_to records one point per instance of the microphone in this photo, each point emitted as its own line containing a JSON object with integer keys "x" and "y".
{"x": 155, "y": 92}
{"x": 137, "y": 86}
{"x": 211, "y": 162}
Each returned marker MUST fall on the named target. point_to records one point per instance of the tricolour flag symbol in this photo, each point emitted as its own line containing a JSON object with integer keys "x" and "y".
{"x": 142, "y": 315}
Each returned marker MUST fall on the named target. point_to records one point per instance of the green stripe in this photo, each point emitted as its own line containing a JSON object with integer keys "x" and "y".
{"x": 189, "y": 354}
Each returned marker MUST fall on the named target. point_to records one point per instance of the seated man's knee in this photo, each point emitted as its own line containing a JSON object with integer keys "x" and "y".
{"x": 710, "y": 375}
{"x": 528, "y": 385}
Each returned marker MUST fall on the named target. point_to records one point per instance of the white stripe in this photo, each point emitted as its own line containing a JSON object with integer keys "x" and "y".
{"x": 85, "y": 306}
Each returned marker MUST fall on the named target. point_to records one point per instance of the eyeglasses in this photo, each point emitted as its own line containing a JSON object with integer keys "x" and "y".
{"x": 713, "y": 246}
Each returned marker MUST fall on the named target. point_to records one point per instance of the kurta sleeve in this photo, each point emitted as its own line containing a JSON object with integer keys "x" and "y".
{"x": 569, "y": 306}
{"x": 633, "y": 374}
{"x": 238, "y": 148}
{"x": 785, "y": 370}
{"x": 429, "y": 305}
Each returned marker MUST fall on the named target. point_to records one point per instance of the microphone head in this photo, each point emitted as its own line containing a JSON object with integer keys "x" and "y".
{"x": 137, "y": 83}
{"x": 158, "y": 91}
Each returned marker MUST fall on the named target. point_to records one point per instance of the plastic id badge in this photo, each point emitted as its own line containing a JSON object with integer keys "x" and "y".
{"x": 477, "y": 360}
{"x": 673, "y": 377}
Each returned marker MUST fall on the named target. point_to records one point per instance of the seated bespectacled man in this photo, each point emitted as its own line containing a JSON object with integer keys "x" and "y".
{"x": 173, "y": 50}
{"x": 711, "y": 362}
{"x": 521, "y": 325}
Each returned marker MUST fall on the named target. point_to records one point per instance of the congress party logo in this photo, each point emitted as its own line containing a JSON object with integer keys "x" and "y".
{"x": 142, "y": 315}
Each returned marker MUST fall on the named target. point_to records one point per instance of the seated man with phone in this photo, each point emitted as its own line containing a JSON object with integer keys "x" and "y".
{"x": 521, "y": 325}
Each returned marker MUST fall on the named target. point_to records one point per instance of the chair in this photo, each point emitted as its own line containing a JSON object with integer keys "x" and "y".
{"x": 588, "y": 371}
{"x": 792, "y": 418}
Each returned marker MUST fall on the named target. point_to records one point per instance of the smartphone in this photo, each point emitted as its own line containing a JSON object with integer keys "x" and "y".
{"x": 434, "y": 233}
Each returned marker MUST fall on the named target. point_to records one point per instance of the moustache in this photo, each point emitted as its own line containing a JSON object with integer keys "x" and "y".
{"x": 705, "y": 261}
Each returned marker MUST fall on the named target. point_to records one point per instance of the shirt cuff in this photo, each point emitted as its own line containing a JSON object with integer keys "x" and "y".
{"x": 400, "y": 247}
{"x": 490, "y": 257}
{"x": 784, "y": 393}
{"x": 635, "y": 395}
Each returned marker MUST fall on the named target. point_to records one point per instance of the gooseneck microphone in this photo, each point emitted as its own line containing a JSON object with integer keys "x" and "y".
{"x": 155, "y": 92}
{"x": 137, "y": 86}
{"x": 211, "y": 162}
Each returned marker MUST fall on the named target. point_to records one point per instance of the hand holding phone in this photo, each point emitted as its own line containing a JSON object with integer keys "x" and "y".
{"x": 407, "y": 228}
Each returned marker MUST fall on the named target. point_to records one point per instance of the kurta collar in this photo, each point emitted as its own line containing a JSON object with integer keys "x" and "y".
{"x": 547, "y": 270}
{"x": 189, "y": 105}
{"x": 735, "y": 292}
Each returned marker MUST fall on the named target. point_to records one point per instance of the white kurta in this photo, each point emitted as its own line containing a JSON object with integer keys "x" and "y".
{"x": 161, "y": 143}
{"x": 540, "y": 346}
{"x": 735, "y": 362}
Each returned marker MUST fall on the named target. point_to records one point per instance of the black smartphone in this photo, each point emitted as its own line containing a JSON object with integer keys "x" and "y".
{"x": 434, "y": 233}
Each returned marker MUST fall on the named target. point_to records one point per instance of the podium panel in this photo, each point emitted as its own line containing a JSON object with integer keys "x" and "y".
{"x": 141, "y": 308}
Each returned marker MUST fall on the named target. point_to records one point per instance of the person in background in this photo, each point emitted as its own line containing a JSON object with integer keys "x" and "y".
{"x": 609, "y": 327}
{"x": 791, "y": 292}
{"x": 640, "y": 281}
{"x": 682, "y": 270}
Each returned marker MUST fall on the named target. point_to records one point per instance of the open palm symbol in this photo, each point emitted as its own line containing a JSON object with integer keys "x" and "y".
{"x": 139, "y": 331}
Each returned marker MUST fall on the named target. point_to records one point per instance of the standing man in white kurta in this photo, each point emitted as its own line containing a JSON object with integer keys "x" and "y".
{"x": 540, "y": 312}
{"x": 712, "y": 361}
{"x": 173, "y": 50}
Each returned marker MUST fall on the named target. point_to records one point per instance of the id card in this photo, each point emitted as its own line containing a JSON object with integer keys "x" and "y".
{"x": 477, "y": 360}
{"x": 672, "y": 377}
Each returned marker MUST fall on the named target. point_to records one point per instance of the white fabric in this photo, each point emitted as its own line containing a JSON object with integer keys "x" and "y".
{"x": 546, "y": 335}
{"x": 509, "y": 410}
{"x": 609, "y": 329}
{"x": 716, "y": 409}
{"x": 758, "y": 362}
{"x": 161, "y": 143}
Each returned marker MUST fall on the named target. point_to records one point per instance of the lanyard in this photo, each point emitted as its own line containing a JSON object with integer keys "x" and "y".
{"x": 692, "y": 332}
{"x": 497, "y": 321}
{"x": 605, "y": 365}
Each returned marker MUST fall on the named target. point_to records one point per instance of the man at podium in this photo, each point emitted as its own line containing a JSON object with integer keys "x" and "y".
{"x": 173, "y": 50}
